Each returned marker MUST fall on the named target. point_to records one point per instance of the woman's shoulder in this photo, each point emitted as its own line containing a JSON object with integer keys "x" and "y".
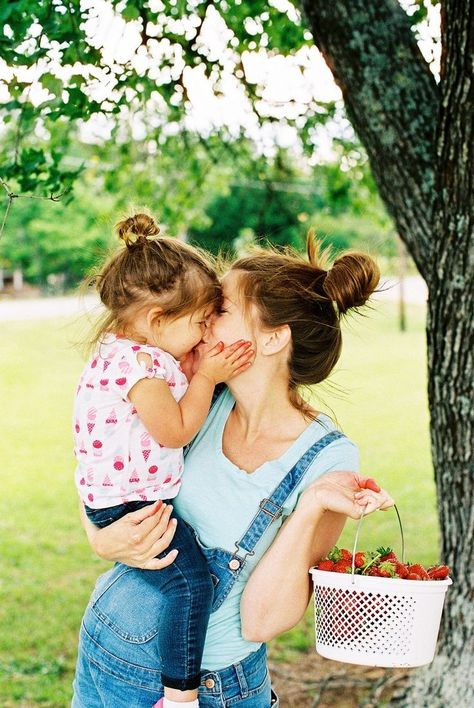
{"x": 338, "y": 452}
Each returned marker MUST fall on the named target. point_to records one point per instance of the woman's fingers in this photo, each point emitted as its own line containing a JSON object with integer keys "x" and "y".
{"x": 164, "y": 542}
{"x": 152, "y": 528}
{"x": 374, "y": 500}
{"x": 139, "y": 516}
{"x": 159, "y": 563}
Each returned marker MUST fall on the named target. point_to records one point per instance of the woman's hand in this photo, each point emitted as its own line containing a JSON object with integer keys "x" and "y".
{"x": 136, "y": 538}
{"x": 345, "y": 493}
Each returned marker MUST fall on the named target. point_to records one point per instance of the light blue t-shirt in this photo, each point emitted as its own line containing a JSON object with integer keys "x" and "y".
{"x": 220, "y": 500}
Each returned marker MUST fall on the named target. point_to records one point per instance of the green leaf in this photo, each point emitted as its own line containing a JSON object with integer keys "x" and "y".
{"x": 52, "y": 84}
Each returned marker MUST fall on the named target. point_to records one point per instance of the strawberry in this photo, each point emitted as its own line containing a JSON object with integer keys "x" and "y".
{"x": 342, "y": 566}
{"x": 386, "y": 554}
{"x": 387, "y": 569}
{"x": 360, "y": 559}
{"x": 438, "y": 572}
{"x": 334, "y": 554}
{"x": 401, "y": 569}
{"x": 337, "y": 554}
{"x": 413, "y": 576}
{"x": 374, "y": 572}
{"x": 326, "y": 565}
{"x": 418, "y": 569}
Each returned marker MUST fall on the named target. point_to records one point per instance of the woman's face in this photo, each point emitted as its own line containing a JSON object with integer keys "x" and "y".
{"x": 231, "y": 324}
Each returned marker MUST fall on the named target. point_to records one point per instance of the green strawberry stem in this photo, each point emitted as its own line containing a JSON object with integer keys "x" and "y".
{"x": 370, "y": 563}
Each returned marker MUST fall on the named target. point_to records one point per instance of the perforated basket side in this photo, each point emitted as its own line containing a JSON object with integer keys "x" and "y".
{"x": 377, "y": 621}
{"x": 367, "y": 622}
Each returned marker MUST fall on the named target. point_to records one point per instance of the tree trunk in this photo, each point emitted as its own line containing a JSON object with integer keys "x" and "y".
{"x": 420, "y": 142}
{"x": 392, "y": 101}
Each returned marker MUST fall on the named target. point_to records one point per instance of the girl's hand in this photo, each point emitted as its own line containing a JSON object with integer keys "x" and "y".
{"x": 222, "y": 363}
{"x": 345, "y": 493}
{"x": 136, "y": 538}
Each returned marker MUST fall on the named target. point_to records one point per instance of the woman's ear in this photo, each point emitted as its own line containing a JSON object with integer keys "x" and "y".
{"x": 275, "y": 341}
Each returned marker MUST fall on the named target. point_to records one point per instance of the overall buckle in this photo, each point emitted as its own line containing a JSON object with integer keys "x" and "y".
{"x": 273, "y": 515}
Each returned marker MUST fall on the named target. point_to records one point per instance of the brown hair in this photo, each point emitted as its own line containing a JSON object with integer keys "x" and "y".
{"x": 310, "y": 299}
{"x": 151, "y": 267}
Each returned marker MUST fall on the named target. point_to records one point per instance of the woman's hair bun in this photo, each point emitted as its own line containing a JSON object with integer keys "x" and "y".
{"x": 352, "y": 279}
{"x": 136, "y": 228}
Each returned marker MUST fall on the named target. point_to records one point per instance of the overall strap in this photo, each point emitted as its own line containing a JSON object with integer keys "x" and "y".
{"x": 272, "y": 507}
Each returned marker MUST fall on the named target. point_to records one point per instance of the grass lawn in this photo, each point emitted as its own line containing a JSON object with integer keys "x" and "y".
{"x": 46, "y": 568}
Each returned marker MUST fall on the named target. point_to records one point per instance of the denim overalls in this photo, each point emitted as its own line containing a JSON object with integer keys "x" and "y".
{"x": 117, "y": 664}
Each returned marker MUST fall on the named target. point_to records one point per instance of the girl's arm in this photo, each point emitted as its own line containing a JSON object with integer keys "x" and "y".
{"x": 278, "y": 591}
{"x": 173, "y": 423}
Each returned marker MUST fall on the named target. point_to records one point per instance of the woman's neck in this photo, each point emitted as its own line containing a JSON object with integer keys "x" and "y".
{"x": 263, "y": 405}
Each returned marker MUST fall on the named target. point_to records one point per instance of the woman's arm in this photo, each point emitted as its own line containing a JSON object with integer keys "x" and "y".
{"x": 278, "y": 591}
{"x": 136, "y": 538}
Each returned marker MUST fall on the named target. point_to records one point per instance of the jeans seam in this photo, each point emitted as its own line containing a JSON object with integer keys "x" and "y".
{"x": 121, "y": 677}
{"x": 115, "y": 658}
{"x": 250, "y": 694}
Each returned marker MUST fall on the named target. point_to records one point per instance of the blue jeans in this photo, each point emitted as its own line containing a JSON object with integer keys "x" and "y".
{"x": 181, "y": 598}
{"x": 124, "y": 674}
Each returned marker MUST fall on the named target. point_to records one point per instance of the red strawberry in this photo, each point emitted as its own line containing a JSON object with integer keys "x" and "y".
{"x": 374, "y": 572}
{"x": 342, "y": 566}
{"x": 438, "y": 572}
{"x": 386, "y": 554}
{"x": 387, "y": 569}
{"x": 326, "y": 565}
{"x": 401, "y": 569}
{"x": 346, "y": 555}
{"x": 360, "y": 559}
{"x": 413, "y": 576}
{"x": 418, "y": 569}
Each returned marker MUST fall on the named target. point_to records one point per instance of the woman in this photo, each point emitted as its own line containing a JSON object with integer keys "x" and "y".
{"x": 267, "y": 487}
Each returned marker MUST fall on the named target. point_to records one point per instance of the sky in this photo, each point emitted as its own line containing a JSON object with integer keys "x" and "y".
{"x": 297, "y": 79}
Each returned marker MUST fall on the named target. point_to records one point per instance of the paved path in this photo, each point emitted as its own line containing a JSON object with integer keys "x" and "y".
{"x": 51, "y": 307}
{"x": 45, "y": 307}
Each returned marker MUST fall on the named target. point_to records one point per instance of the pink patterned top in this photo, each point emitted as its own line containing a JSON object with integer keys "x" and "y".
{"x": 118, "y": 460}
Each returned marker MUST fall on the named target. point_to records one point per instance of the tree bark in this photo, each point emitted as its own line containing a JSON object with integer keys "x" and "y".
{"x": 392, "y": 101}
{"x": 420, "y": 142}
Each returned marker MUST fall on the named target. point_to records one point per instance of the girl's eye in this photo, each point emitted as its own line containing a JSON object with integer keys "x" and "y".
{"x": 222, "y": 310}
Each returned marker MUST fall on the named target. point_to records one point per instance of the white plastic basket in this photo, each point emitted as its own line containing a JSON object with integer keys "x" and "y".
{"x": 374, "y": 621}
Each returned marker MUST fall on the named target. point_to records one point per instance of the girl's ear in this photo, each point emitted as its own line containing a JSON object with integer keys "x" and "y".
{"x": 154, "y": 316}
{"x": 274, "y": 341}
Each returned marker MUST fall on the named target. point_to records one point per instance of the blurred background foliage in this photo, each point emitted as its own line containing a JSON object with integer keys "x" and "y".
{"x": 101, "y": 130}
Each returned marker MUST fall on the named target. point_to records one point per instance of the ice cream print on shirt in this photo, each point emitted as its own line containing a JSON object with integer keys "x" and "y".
{"x": 117, "y": 459}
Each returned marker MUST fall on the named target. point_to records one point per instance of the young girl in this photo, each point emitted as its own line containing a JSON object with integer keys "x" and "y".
{"x": 135, "y": 410}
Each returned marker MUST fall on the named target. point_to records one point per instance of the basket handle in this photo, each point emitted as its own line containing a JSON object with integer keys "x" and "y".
{"x": 359, "y": 526}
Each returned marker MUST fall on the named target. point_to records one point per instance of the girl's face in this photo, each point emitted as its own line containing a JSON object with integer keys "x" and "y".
{"x": 230, "y": 324}
{"x": 179, "y": 336}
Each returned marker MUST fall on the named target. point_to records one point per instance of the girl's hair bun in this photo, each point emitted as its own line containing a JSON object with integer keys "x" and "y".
{"x": 136, "y": 229}
{"x": 352, "y": 279}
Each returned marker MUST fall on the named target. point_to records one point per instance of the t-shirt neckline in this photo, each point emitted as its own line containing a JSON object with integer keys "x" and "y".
{"x": 281, "y": 461}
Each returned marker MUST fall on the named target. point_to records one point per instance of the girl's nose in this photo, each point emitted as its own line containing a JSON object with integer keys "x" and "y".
{"x": 210, "y": 321}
